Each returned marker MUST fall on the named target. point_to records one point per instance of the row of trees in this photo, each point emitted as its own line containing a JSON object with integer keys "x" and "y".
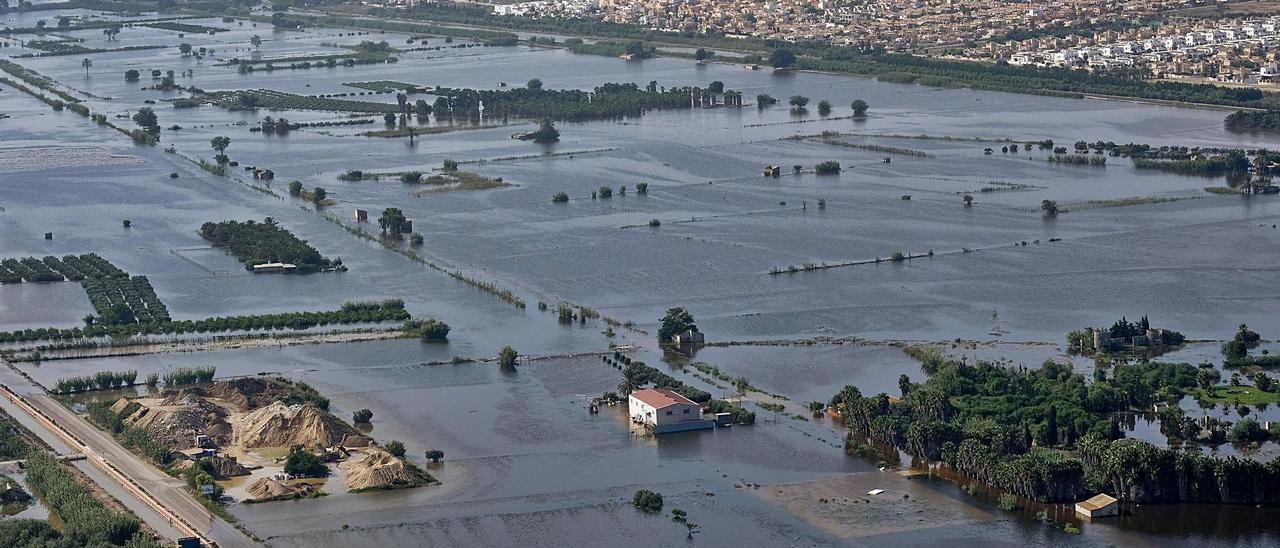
{"x": 604, "y": 102}
{"x": 1255, "y": 120}
{"x": 124, "y": 301}
{"x": 637, "y": 375}
{"x": 372, "y": 312}
{"x": 85, "y": 520}
{"x": 183, "y": 376}
{"x": 102, "y": 380}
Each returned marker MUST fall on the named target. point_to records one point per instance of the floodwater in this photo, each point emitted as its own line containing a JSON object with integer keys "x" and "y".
{"x": 525, "y": 462}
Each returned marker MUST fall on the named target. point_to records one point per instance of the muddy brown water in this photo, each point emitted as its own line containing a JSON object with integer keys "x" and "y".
{"x": 525, "y": 463}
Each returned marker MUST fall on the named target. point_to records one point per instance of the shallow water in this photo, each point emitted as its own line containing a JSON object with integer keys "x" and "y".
{"x": 524, "y": 459}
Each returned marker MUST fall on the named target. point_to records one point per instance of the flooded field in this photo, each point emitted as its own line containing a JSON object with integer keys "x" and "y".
{"x": 525, "y": 461}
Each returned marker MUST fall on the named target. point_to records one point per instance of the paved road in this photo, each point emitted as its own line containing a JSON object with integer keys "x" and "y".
{"x": 170, "y": 492}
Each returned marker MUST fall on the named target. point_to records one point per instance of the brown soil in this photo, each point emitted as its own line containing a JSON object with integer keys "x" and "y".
{"x": 227, "y": 467}
{"x": 380, "y": 470}
{"x": 266, "y": 489}
{"x": 280, "y": 425}
{"x": 237, "y": 415}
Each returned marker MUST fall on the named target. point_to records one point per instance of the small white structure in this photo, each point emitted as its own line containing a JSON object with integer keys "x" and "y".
{"x": 266, "y": 268}
{"x": 1100, "y": 505}
{"x": 665, "y": 411}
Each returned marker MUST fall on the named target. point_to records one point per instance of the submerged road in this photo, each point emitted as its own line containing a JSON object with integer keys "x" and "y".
{"x": 167, "y": 497}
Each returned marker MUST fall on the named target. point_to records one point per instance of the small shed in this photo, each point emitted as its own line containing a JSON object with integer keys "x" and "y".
{"x": 1098, "y": 506}
{"x": 407, "y": 226}
{"x": 362, "y": 215}
{"x": 772, "y": 171}
{"x": 688, "y": 336}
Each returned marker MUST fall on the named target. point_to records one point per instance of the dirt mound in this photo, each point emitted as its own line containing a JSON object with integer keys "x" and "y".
{"x": 355, "y": 440}
{"x": 247, "y": 393}
{"x": 280, "y": 425}
{"x": 241, "y": 394}
{"x": 265, "y": 489}
{"x": 227, "y": 467}
{"x": 174, "y": 419}
{"x": 380, "y": 470}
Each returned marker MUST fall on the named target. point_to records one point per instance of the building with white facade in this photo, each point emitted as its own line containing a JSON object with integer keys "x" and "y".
{"x": 665, "y": 411}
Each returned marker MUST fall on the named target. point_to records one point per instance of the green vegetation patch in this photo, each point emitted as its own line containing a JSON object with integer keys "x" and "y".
{"x": 351, "y": 312}
{"x": 185, "y": 27}
{"x": 1237, "y": 395}
{"x": 603, "y": 102}
{"x": 1266, "y": 120}
{"x": 1046, "y": 434}
{"x": 278, "y": 100}
{"x": 85, "y": 519}
{"x": 51, "y": 48}
{"x": 256, "y": 243}
{"x": 408, "y": 131}
{"x": 384, "y": 86}
{"x": 459, "y": 180}
{"x": 1123, "y": 202}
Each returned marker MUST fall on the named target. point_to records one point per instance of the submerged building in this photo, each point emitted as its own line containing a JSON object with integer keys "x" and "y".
{"x": 665, "y": 411}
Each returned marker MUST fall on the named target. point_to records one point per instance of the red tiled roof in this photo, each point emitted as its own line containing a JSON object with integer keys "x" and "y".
{"x": 660, "y": 397}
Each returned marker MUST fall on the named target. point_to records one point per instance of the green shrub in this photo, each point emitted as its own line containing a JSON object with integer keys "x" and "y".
{"x": 647, "y": 500}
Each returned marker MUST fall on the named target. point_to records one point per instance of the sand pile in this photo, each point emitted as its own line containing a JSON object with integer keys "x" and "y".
{"x": 280, "y": 425}
{"x": 268, "y": 489}
{"x": 379, "y": 469}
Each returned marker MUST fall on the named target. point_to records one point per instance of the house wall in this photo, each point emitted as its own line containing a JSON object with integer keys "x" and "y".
{"x": 641, "y": 410}
{"x": 678, "y": 413}
{"x": 658, "y": 417}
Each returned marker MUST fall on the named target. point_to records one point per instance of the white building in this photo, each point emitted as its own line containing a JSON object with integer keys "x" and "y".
{"x": 665, "y": 411}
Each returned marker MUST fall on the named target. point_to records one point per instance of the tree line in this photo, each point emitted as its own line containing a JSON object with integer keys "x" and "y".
{"x": 604, "y": 102}
{"x": 359, "y": 312}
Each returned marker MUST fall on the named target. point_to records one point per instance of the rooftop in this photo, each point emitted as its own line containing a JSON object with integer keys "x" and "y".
{"x": 1098, "y": 501}
{"x": 660, "y": 397}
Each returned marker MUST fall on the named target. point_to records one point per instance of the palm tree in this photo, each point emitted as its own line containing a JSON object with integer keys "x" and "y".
{"x": 630, "y": 382}
{"x": 86, "y": 63}
{"x": 256, "y": 41}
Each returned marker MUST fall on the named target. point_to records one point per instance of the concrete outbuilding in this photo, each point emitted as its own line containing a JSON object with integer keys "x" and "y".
{"x": 1099, "y": 505}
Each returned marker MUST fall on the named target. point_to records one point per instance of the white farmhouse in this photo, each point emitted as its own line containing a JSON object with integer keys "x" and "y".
{"x": 665, "y": 411}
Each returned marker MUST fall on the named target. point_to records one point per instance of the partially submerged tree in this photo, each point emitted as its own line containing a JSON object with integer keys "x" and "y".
{"x": 391, "y": 220}
{"x": 507, "y": 357}
{"x": 859, "y": 107}
{"x": 220, "y": 144}
{"x": 362, "y": 416}
{"x": 676, "y": 320}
